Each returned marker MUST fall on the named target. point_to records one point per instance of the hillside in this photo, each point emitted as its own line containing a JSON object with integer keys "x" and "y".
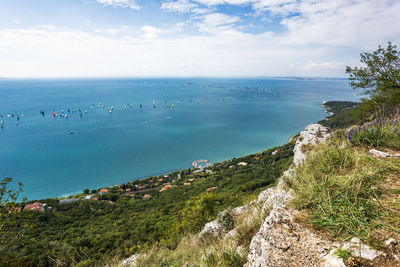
{"x": 338, "y": 205}
{"x": 94, "y": 228}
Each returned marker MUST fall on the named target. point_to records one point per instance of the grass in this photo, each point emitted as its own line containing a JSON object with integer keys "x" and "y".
{"x": 343, "y": 254}
{"x": 349, "y": 193}
{"x": 216, "y": 251}
{"x": 382, "y": 135}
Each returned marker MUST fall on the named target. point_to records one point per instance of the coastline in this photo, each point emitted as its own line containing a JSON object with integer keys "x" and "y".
{"x": 155, "y": 174}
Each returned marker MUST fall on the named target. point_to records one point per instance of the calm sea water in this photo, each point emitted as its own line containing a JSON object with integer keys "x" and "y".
{"x": 214, "y": 119}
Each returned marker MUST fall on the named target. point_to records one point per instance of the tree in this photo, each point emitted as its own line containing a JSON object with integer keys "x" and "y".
{"x": 13, "y": 225}
{"x": 379, "y": 79}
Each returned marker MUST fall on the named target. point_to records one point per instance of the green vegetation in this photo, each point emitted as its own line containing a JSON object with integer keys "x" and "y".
{"x": 343, "y": 254}
{"x": 385, "y": 135}
{"x": 118, "y": 223}
{"x": 344, "y": 114}
{"x": 210, "y": 252}
{"x": 349, "y": 193}
{"x": 13, "y": 225}
{"x": 379, "y": 79}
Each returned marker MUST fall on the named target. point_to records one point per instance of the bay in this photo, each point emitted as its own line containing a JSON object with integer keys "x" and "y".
{"x": 213, "y": 119}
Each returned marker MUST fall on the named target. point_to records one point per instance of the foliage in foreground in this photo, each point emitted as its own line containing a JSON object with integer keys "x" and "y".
{"x": 13, "y": 226}
{"x": 349, "y": 193}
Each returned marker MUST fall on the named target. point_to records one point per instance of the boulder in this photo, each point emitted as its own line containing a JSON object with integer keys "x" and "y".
{"x": 358, "y": 249}
{"x": 212, "y": 228}
{"x": 377, "y": 153}
{"x": 331, "y": 260}
{"x": 281, "y": 241}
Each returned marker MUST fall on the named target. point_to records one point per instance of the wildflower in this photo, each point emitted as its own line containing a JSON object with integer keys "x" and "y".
{"x": 372, "y": 130}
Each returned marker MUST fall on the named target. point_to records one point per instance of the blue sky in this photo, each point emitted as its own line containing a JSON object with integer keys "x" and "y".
{"x": 190, "y": 38}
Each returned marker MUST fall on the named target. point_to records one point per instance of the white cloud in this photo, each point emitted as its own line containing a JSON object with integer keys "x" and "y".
{"x": 216, "y": 19}
{"x": 150, "y": 31}
{"x": 120, "y": 3}
{"x": 319, "y": 39}
{"x": 180, "y": 6}
{"x": 220, "y": 2}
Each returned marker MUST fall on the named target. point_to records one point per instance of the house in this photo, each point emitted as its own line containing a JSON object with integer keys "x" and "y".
{"x": 166, "y": 187}
{"x": 163, "y": 189}
{"x": 212, "y": 188}
{"x": 242, "y": 164}
{"x": 67, "y": 201}
{"x": 146, "y": 196}
{"x": 187, "y": 184}
{"x": 275, "y": 152}
{"x": 103, "y": 190}
{"x": 128, "y": 190}
{"x": 155, "y": 184}
{"x": 151, "y": 181}
{"x": 37, "y": 206}
{"x": 160, "y": 180}
{"x": 191, "y": 179}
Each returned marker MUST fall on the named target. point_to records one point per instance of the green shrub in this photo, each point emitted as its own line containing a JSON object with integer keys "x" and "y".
{"x": 226, "y": 220}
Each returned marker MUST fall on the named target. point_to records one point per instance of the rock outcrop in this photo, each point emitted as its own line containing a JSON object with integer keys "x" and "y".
{"x": 131, "y": 261}
{"x": 312, "y": 135}
{"x": 281, "y": 240}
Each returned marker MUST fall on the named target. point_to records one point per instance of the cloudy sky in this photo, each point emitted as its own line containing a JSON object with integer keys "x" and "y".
{"x": 191, "y": 38}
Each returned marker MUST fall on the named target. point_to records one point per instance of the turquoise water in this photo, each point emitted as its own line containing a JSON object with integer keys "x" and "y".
{"x": 214, "y": 119}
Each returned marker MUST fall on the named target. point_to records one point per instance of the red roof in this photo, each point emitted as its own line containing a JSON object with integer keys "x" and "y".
{"x": 37, "y": 206}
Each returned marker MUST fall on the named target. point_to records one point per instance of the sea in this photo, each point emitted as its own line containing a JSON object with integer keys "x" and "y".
{"x": 61, "y": 136}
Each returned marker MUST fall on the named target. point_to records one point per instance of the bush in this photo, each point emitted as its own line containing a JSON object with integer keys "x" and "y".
{"x": 226, "y": 220}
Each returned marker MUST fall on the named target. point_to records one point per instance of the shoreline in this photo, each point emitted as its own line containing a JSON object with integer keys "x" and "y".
{"x": 169, "y": 172}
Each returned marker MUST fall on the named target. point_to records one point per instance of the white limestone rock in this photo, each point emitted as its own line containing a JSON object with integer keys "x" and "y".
{"x": 378, "y": 153}
{"x": 273, "y": 196}
{"x": 391, "y": 243}
{"x": 331, "y": 260}
{"x": 281, "y": 241}
{"x": 131, "y": 261}
{"x": 312, "y": 134}
{"x": 358, "y": 249}
{"x": 212, "y": 228}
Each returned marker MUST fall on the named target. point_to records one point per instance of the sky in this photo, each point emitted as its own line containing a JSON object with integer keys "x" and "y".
{"x": 191, "y": 38}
